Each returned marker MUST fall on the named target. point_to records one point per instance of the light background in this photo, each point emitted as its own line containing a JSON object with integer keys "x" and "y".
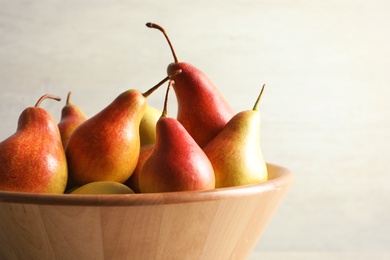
{"x": 325, "y": 110}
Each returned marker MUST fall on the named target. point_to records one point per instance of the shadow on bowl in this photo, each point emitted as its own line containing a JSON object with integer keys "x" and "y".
{"x": 215, "y": 224}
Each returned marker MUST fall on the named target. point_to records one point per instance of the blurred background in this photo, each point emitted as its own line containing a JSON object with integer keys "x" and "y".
{"x": 325, "y": 110}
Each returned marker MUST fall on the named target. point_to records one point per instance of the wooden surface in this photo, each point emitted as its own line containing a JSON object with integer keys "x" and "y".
{"x": 221, "y": 224}
{"x": 325, "y": 110}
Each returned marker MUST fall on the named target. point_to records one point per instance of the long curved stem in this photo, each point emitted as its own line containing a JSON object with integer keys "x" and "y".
{"x": 161, "y": 29}
{"x": 47, "y": 96}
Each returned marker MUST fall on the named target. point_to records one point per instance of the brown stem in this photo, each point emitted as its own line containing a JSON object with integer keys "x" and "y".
{"x": 151, "y": 90}
{"x": 255, "y": 107}
{"x": 47, "y": 96}
{"x": 161, "y": 29}
{"x": 68, "y": 98}
{"x": 165, "y": 109}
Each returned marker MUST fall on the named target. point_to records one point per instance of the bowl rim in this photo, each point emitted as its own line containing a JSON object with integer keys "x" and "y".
{"x": 280, "y": 177}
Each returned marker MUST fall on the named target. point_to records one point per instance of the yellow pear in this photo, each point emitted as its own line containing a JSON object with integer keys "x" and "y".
{"x": 103, "y": 187}
{"x": 235, "y": 152}
{"x": 147, "y": 127}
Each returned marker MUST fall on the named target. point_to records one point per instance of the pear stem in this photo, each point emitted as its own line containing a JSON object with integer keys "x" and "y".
{"x": 255, "y": 107}
{"x": 151, "y": 90}
{"x": 68, "y": 98}
{"x": 161, "y": 29}
{"x": 165, "y": 109}
{"x": 47, "y": 96}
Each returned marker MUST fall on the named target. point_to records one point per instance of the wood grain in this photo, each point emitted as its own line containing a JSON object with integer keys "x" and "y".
{"x": 220, "y": 224}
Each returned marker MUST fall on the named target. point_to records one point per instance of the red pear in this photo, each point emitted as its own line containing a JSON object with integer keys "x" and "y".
{"x": 33, "y": 159}
{"x": 177, "y": 163}
{"x": 202, "y": 109}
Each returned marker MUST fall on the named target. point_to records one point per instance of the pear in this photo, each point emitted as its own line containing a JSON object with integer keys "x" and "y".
{"x": 71, "y": 117}
{"x": 133, "y": 181}
{"x": 195, "y": 90}
{"x": 177, "y": 163}
{"x": 147, "y": 128}
{"x": 103, "y": 187}
{"x": 106, "y": 146}
{"x": 33, "y": 159}
{"x": 235, "y": 152}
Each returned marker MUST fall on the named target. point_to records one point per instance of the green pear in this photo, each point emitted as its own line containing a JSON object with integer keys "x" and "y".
{"x": 103, "y": 187}
{"x": 33, "y": 159}
{"x": 235, "y": 152}
{"x": 106, "y": 146}
{"x": 147, "y": 128}
{"x": 71, "y": 117}
{"x": 176, "y": 163}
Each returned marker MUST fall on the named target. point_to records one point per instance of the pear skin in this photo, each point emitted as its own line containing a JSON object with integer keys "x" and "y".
{"x": 71, "y": 117}
{"x": 103, "y": 187}
{"x": 235, "y": 152}
{"x": 202, "y": 109}
{"x": 176, "y": 163}
{"x": 33, "y": 159}
{"x": 106, "y": 146}
{"x": 147, "y": 128}
{"x": 133, "y": 181}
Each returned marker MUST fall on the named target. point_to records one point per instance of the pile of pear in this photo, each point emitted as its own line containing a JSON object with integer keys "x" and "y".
{"x": 132, "y": 147}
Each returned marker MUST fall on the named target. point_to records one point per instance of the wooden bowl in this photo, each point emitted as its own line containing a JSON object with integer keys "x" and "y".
{"x": 217, "y": 224}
